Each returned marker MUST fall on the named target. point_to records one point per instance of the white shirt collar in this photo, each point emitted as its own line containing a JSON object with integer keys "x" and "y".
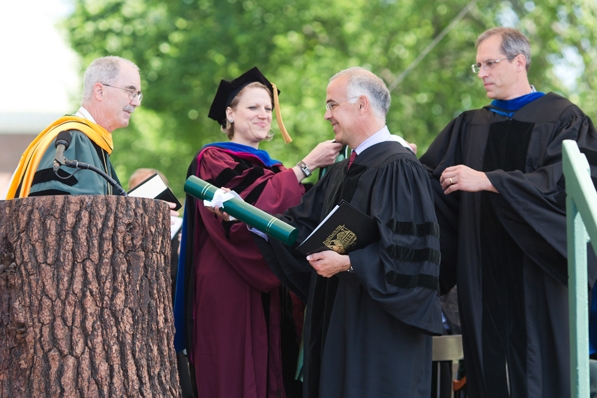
{"x": 84, "y": 113}
{"x": 381, "y": 136}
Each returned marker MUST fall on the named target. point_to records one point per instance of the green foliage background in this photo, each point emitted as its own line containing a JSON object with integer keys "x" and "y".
{"x": 184, "y": 48}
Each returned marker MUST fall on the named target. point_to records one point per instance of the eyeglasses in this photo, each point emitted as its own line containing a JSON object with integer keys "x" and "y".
{"x": 489, "y": 64}
{"x": 332, "y": 104}
{"x": 133, "y": 94}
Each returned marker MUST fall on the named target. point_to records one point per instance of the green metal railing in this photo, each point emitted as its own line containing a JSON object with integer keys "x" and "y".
{"x": 581, "y": 211}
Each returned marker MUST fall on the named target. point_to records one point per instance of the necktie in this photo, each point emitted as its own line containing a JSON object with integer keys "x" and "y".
{"x": 351, "y": 159}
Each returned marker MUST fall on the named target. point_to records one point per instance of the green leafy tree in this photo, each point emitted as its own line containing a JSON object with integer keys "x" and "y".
{"x": 185, "y": 47}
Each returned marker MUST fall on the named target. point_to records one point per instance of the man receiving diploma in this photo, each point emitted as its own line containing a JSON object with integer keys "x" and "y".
{"x": 371, "y": 312}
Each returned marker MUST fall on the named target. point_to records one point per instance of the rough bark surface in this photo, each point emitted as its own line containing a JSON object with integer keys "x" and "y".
{"x": 85, "y": 301}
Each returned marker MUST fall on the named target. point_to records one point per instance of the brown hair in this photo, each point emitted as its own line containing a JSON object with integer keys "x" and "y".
{"x": 513, "y": 42}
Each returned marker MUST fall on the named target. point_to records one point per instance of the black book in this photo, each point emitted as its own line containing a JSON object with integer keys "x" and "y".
{"x": 154, "y": 187}
{"x": 345, "y": 229}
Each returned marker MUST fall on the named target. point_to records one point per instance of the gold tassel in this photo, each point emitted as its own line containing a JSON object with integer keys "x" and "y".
{"x": 285, "y": 134}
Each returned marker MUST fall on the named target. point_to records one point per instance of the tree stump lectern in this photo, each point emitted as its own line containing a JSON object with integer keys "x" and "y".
{"x": 85, "y": 301}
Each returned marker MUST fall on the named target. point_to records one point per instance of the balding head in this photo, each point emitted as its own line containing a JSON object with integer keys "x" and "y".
{"x": 102, "y": 70}
{"x": 362, "y": 82}
{"x": 112, "y": 91}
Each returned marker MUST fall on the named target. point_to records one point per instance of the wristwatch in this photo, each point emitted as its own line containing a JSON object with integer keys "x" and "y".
{"x": 350, "y": 270}
{"x": 303, "y": 166}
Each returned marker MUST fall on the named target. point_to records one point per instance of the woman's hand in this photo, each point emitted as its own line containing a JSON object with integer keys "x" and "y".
{"x": 324, "y": 154}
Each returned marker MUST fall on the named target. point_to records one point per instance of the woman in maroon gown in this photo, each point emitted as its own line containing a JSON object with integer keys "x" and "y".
{"x": 236, "y": 299}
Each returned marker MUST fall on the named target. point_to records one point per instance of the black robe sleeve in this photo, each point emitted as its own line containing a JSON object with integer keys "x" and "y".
{"x": 290, "y": 266}
{"x": 400, "y": 272}
{"x": 531, "y": 204}
{"x": 445, "y": 151}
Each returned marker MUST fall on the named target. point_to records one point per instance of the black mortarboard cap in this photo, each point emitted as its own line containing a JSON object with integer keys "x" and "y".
{"x": 227, "y": 90}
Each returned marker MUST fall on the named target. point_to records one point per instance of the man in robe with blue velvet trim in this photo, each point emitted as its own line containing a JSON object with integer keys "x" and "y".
{"x": 500, "y": 199}
{"x": 112, "y": 91}
{"x": 371, "y": 312}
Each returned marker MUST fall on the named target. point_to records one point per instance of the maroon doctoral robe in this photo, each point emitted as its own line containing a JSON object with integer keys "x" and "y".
{"x": 235, "y": 342}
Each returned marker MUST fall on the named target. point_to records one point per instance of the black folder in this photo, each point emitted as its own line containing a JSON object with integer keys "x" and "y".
{"x": 345, "y": 229}
{"x": 155, "y": 187}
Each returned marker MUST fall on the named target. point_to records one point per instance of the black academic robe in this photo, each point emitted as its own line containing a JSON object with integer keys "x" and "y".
{"x": 507, "y": 251}
{"x": 368, "y": 333}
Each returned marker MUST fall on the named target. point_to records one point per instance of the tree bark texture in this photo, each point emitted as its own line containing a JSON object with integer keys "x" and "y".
{"x": 85, "y": 301}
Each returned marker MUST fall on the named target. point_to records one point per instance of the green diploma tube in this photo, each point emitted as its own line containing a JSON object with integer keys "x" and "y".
{"x": 243, "y": 211}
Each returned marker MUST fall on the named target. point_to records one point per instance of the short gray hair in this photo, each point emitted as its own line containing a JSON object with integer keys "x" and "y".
{"x": 513, "y": 42}
{"x": 363, "y": 82}
{"x": 102, "y": 70}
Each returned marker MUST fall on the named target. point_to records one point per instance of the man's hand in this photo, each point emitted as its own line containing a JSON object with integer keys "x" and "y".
{"x": 173, "y": 213}
{"x": 328, "y": 263}
{"x": 463, "y": 178}
{"x": 216, "y": 210}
